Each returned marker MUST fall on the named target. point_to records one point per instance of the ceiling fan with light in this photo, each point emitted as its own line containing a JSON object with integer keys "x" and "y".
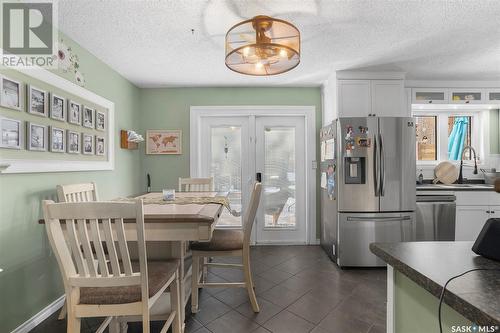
{"x": 262, "y": 46}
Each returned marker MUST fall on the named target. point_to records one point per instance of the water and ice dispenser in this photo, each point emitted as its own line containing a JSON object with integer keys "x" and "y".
{"x": 354, "y": 170}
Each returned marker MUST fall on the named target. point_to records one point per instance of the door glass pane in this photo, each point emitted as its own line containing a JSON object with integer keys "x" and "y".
{"x": 466, "y": 96}
{"x": 429, "y": 96}
{"x": 279, "y": 177}
{"x": 225, "y": 168}
{"x": 494, "y": 96}
{"x": 426, "y": 138}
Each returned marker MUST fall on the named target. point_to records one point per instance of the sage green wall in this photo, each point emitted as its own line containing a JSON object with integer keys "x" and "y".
{"x": 416, "y": 310}
{"x": 168, "y": 108}
{"x": 31, "y": 279}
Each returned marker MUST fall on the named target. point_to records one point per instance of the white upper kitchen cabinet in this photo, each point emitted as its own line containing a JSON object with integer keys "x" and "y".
{"x": 388, "y": 98}
{"x": 365, "y": 98}
{"x": 429, "y": 96}
{"x": 466, "y": 96}
{"x": 492, "y": 96}
{"x": 354, "y": 98}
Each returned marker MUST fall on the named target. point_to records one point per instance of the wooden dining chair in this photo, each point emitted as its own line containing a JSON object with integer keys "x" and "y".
{"x": 196, "y": 184}
{"x": 228, "y": 242}
{"x": 77, "y": 192}
{"x": 120, "y": 288}
{"x": 84, "y": 192}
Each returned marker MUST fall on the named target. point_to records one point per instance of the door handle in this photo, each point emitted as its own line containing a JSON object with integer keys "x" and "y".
{"x": 382, "y": 166}
{"x": 375, "y": 166}
{"x": 378, "y": 219}
{"x": 258, "y": 177}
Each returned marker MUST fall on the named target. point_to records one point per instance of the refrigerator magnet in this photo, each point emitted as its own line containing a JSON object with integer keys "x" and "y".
{"x": 363, "y": 129}
{"x": 349, "y": 131}
{"x": 363, "y": 142}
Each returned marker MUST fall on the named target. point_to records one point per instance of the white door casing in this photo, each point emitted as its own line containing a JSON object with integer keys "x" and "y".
{"x": 199, "y": 116}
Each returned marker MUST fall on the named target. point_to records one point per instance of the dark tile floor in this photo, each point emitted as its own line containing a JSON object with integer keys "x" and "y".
{"x": 299, "y": 290}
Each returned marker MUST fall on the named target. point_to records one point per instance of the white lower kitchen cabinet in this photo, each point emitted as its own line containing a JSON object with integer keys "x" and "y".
{"x": 495, "y": 212}
{"x": 470, "y": 221}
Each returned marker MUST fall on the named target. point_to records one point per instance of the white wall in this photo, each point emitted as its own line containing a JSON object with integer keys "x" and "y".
{"x": 329, "y": 95}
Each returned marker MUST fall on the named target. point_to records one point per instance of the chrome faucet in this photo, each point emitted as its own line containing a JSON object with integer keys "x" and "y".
{"x": 460, "y": 175}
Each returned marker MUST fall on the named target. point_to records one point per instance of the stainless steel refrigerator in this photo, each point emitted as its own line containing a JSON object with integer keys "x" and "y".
{"x": 368, "y": 191}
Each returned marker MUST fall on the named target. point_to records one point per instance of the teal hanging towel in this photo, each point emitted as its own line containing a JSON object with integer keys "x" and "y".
{"x": 456, "y": 140}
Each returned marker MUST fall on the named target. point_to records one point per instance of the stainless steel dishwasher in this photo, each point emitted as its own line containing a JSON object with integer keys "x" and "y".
{"x": 435, "y": 217}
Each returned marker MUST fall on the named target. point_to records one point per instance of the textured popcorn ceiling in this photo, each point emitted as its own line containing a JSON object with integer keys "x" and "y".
{"x": 151, "y": 43}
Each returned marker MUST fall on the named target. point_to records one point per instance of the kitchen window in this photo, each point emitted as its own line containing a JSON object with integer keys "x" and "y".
{"x": 426, "y": 138}
{"x": 442, "y": 135}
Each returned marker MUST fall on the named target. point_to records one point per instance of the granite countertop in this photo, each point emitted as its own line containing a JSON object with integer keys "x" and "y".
{"x": 455, "y": 187}
{"x": 475, "y": 295}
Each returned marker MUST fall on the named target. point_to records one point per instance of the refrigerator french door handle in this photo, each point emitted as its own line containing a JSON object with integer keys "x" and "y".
{"x": 382, "y": 166}
{"x": 375, "y": 166}
{"x": 378, "y": 219}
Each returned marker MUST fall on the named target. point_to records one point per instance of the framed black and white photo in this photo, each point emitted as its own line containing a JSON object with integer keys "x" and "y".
{"x": 37, "y": 101}
{"x": 54, "y": 130}
{"x": 57, "y": 107}
{"x": 10, "y": 96}
{"x": 73, "y": 142}
{"x": 57, "y": 140}
{"x": 88, "y": 117}
{"x": 100, "y": 121}
{"x": 88, "y": 144}
{"x": 74, "y": 112}
{"x": 11, "y": 132}
{"x": 37, "y": 137}
{"x": 100, "y": 148}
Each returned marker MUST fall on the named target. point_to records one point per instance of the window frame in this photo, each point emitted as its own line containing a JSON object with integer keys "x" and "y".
{"x": 478, "y": 136}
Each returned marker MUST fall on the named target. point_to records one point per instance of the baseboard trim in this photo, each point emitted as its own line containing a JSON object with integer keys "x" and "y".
{"x": 40, "y": 316}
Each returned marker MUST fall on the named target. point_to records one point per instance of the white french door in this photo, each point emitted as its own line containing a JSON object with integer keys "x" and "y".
{"x": 234, "y": 149}
{"x": 279, "y": 157}
{"x": 225, "y": 157}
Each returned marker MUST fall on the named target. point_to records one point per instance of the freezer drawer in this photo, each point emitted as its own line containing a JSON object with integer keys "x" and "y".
{"x": 357, "y": 231}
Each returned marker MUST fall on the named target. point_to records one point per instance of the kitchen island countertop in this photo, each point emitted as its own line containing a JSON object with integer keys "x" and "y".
{"x": 475, "y": 295}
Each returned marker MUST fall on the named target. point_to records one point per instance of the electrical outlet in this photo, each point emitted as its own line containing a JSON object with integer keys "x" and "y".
{"x": 314, "y": 164}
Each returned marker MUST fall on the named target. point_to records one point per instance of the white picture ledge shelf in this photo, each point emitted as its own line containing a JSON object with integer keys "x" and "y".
{"x": 42, "y": 165}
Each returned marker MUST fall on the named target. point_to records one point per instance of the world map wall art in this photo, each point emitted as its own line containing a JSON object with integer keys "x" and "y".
{"x": 164, "y": 142}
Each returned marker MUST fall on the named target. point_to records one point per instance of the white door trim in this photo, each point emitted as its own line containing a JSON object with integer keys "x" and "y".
{"x": 308, "y": 112}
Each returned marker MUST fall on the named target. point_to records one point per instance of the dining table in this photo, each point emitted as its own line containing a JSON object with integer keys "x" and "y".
{"x": 192, "y": 216}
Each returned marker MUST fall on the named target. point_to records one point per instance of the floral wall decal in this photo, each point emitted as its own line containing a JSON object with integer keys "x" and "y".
{"x": 69, "y": 62}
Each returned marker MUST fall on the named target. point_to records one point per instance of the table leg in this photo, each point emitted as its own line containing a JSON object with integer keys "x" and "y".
{"x": 179, "y": 252}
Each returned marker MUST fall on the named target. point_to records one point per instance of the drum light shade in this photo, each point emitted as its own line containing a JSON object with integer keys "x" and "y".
{"x": 262, "y": 46}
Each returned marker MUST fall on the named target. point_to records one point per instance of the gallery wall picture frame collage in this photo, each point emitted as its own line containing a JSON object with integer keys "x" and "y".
{"x": 56, "y": 117}
{"x": 52, "y": 138}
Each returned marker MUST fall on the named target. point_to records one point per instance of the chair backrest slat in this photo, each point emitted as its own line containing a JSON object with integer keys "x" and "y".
{"x": 99, "y": 251}
{"x": 90, "y": 224}
{"x": 75, "y": 248}
{"x": 249, "y": 217}
{"x": 122, "y": 243}
{"x": 87, "y": 248}
{"x": 110, "y": 245}
{"x": 196, "y": 184}
{"x": 85, "y": 192}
